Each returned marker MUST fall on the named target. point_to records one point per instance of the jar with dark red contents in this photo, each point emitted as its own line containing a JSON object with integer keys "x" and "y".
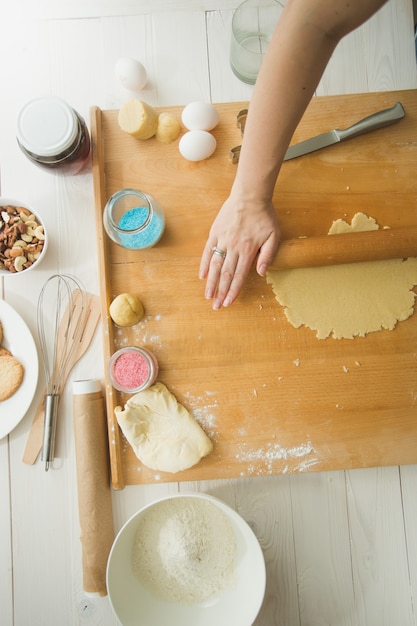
{"x": 133, "y": 369}
{"x": 53, "y": 136}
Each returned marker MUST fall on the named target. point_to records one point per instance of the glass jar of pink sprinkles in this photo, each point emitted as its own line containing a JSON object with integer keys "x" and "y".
{"x": 133, "y": 369}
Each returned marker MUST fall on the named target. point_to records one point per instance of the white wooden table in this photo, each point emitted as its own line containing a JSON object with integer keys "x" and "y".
{"x": 340, "y": 547}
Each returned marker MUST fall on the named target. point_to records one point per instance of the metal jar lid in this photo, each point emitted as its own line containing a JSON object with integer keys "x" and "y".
{"x": 47, "y": 126}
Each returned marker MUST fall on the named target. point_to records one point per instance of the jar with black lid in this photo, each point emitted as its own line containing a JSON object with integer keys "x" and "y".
{"x": 53, "y": 136}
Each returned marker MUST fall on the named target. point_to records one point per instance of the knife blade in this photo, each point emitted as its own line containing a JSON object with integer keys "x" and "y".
{"x": 372, "y": 122}
{"x": 367, "y": 124}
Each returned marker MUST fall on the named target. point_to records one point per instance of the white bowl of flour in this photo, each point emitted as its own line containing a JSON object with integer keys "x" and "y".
{"x": 187, "y": 559}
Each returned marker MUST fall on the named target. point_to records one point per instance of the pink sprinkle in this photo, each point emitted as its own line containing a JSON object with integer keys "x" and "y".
{"x": 131, "y": 370}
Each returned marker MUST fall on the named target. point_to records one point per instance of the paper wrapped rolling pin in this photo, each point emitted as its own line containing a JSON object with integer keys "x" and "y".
{"x": 93, "y": 478}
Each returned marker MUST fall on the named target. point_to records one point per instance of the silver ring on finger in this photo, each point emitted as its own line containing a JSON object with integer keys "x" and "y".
{"x": 216, "y": 250}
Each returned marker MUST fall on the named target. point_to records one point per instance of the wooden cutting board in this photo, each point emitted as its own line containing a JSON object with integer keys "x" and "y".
{"x": 274, "y": 399}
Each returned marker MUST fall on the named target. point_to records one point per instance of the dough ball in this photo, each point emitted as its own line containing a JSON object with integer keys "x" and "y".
{"x": 126, "y": 309}
{"x": 168, "y": 128}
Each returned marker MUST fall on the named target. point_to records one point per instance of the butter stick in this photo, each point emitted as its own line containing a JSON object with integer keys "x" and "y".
{"x": 93, "y": 480}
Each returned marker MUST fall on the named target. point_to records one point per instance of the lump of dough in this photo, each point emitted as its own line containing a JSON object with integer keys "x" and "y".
{"x": 138, "y": 119}
{"x": 168, "y": 128}
{"x": 162, "y": 433}
{"x": 126, "y": 309}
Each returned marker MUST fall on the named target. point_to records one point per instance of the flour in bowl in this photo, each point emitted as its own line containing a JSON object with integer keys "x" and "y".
{"x": 184, "y": 550}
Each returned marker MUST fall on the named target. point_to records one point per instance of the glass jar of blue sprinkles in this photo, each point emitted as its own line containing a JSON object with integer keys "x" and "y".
{"x": 133, "y": 219}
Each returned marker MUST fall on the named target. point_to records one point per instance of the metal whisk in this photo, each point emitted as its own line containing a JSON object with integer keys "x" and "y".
{"x": 61, "y": 319}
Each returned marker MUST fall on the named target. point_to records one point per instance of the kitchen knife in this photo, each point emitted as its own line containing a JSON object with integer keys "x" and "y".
{"x": 372, "y": 122}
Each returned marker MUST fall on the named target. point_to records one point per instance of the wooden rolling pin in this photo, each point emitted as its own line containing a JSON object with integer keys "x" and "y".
{"x": 373, "y": 245}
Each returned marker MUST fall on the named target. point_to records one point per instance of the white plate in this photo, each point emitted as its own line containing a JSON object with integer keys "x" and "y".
{"x": 18, "y": 339}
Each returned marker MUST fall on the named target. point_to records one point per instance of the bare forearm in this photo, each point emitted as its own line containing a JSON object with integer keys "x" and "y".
{"x": 303, "y": 42}
{"x": 246, "y": 226}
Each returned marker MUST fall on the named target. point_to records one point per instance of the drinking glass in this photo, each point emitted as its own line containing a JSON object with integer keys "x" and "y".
{"x": 252, "y": 26}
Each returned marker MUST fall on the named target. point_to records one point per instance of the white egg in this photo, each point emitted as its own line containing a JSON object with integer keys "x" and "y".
{"x": 131, "y": 73}
{"x": 200, "y": 116}
{"x": 197, "y": 145}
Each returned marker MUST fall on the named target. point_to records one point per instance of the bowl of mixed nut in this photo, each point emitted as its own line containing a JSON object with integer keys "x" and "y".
{"x": 22, "y": 237}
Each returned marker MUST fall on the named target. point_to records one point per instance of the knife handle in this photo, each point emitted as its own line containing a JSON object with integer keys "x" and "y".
{"x": 373, "y": 122}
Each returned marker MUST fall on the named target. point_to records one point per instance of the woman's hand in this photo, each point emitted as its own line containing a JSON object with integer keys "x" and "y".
{"x": 239, "y": 232}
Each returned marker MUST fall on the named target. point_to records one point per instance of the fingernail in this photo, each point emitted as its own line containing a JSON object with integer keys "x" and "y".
{"x": 227, "y": 301}
{"x": 209, "y": 294}
{"x": 263, "y": 269}
{"x": 217, "y": 305}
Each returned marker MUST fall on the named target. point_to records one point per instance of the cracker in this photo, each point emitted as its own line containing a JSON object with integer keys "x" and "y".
{"x": 4, "y": 351}
{"x": 11, "y": 376}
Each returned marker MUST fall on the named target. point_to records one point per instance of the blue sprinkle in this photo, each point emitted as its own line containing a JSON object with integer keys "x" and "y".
{"x": 135, "y": 218}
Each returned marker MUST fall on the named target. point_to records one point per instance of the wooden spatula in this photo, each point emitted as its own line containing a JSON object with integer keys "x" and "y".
{"x": 34, "y": 442}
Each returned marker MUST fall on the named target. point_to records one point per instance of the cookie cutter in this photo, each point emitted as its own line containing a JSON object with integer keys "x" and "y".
{"x": 240, "y": 123}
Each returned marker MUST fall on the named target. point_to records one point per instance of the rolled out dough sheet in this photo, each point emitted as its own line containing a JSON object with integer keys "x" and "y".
{"x": 345, "y": 301}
